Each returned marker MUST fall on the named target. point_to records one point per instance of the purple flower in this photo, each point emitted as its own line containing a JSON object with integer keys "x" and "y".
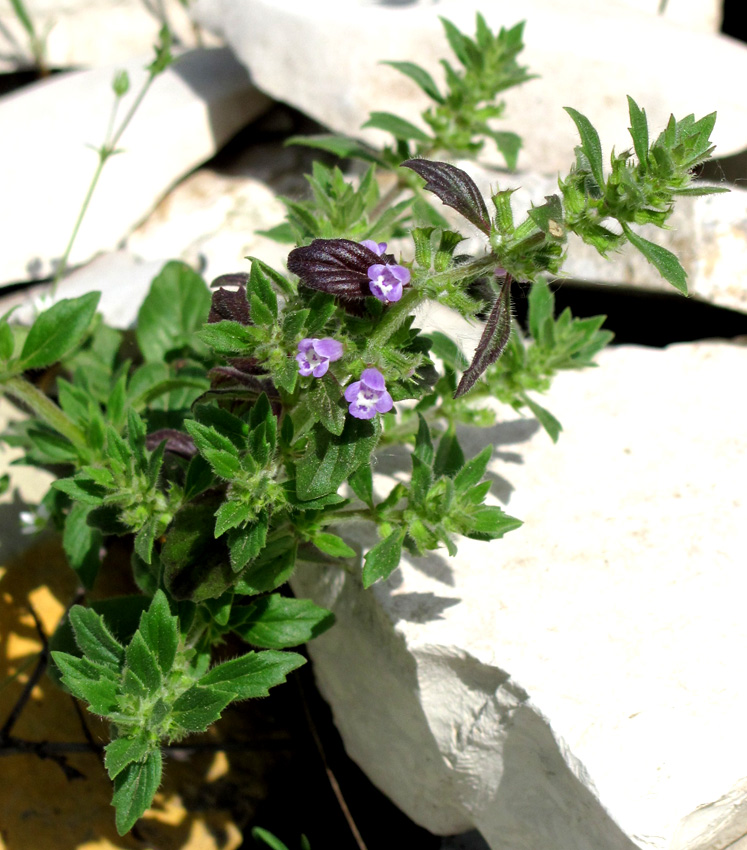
{"x": 386, "y": 281}
{"x": 368, "y": 396}
{"x": 315, "y": 355}
{"x": 377, "y": 247}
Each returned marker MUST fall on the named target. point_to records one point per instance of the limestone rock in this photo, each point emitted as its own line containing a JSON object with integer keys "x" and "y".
{"x": 211, "y": 219}
{"x": 80, "y": 33}
{"x": 586, "y": 54}
{"x": 577, "y": 685}
{"x": 45, "y": 165}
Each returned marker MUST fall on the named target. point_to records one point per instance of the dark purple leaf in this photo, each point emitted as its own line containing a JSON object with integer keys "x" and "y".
{"x": 232, "y": 279}
{"x": 493, "y": 339}
{"x": 229, "y": 304}
{"x": 176, "y": 441}
{"x": 227, "y": 377}
{"x": 455, "y": 188}
{"x": 336, "y": 266}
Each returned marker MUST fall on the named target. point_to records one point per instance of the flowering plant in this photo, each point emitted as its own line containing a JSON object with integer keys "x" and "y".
{"x": 234, "y": 436}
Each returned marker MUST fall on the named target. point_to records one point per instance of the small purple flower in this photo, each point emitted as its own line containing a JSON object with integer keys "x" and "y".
{"x": 368, "y": 396}
{"x": 386, "y": 282}
{"x": 377, "y": 247}
{"x": 315, "y": 355}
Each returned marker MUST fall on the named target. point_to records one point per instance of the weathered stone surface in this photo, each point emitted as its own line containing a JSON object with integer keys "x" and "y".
{"x": 324, "y": 59}
{"x": 577, "y": 685}
{"x": 46, "y": 164}
{"x": 82, "y": 33}
{"x": 211, "y": 219}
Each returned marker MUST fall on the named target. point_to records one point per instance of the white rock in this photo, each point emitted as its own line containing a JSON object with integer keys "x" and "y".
{"x": 324, "y": 58}
{"x": 579, "y": 684}
{"x": 211, "y": 219}
{"x": 46, "y": 166}
{"x": 82, "y": 33}
{"x": 123, "y": 280}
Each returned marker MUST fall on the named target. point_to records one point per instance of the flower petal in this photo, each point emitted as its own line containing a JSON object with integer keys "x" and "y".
{"x": 328, "y": 347}
{"x": 373, "y": 380}
{"x": 385, "y": 403}
{"x": 352, "y": 390}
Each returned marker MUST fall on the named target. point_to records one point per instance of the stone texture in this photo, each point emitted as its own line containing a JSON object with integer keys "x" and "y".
{"x": 84, "y": 33}
{"x": 577, "y": 685}
{"x": 211, "y": 219}
{"x": 45, "y": 165}
{"x": 586, "y": 54}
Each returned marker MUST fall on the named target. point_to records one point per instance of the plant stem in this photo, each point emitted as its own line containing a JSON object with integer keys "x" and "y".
{"x": 45, "y": 409}
{"x": 104, "y": 152}
{"x": 395, "y": 316}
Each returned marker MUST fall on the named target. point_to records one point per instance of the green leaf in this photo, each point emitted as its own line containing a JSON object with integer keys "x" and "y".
{"x": 94, "y": 639}
{"x": 448, "y": 351}
{"x": 196, "y": 566}
{"x": 175, "y": 308}
{"x": 449, "y": 457}
{"x": 134, "y": 789}
{"x": 490, "y": 523}
{"x": 397, "y": 126}
{"x": 58, "y": 330}
{"x": 342, "y": 146}
{"x": 253, "y": 674}
{"x": 199, "y": 707}
{"x": 82, "y": 544}
{"x": 7, "y": 342}
{"x": 383, "y": 559}
{"x": 123, "y": 751}
{"x": 269, "y": 839}
{"x": 227, "y": 337}
{"x": 273, "y": 567}
{"x": 231, "y": 514}
{"x": 541, "y": 311}
{"x": 509, "y": 144}
{"x": 639, "y": 131}
{"x": 245, "y": 544}
{"x": 331, "y": 459}
{"x": 590, "y": 144}
{"x": 146, "y": 537}
{"x": 473, "y": 471}
{"x": 160, "y": 631}
{"x": 143, "y": 663}
{"x": 326, "y": 401}
{"x": 545, "y": 418}
{"x": 665, "y": 261}
{"x": 87, "y": 681}
{"x": 361, "y": 482}
{"x": 333, "y": 545}
{"x": 276, "y": 622}
{"x": 419, "y": 76}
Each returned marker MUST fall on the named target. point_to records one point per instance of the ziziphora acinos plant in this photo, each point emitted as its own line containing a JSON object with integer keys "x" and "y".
{"x": 219, "y": 436}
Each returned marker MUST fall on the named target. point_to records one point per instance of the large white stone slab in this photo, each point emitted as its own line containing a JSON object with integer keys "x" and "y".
{"x": 191, "y": 110}
{"x": 84, "y": 33}
{"x": 324, "y": 58}
{"x": 579, "y": 684}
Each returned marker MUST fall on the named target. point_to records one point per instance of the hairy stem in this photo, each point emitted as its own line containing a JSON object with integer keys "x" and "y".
{"x": 45, "y": 409}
